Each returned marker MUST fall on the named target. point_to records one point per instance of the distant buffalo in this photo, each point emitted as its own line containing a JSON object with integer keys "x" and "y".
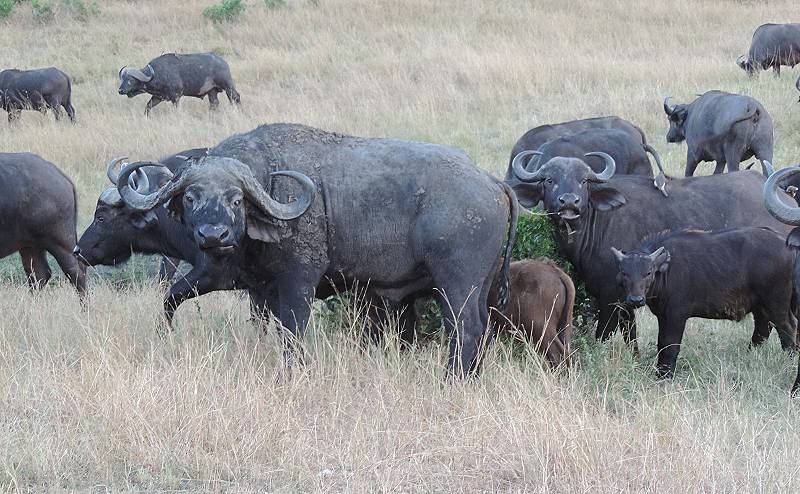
{"x": 37, "y": 89}
{"x": 38, "y": 212}
{"x": 722, "y": 127}
{"x": 773, "y": 45}
{"x": 171, "y": 76}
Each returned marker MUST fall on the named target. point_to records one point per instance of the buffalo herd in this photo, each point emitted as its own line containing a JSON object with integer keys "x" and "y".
{"x": 290, "y": 213}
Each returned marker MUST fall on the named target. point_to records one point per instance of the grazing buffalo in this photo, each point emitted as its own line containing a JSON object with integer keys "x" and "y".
{"x": 37, "y": 89}
{"x": 294, "y": 205}
{"x": 714, "y": 275}
{"x": 773, "y": 45}
{"x": 538, "y": 136}
{"x": 38, "y": 212}
{"x": 540, "y": 305}
{"x": 593, "y": 212}
{"x": 171, "y": 76}
{"x": 779, "y": 207}
{"x": 722, "y": 127}
{"x": 797, "y": 85}
{"x": 629, "y": 153}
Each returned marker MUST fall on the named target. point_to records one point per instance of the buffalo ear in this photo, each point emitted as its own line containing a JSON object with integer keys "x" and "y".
{"x": 174, "y": 207}
{"x": 606, "y": 198}
{"x": 529, "y": 195}
{"x": 259, "y": 228}
{"x": 144, "y": 220}
{"x": 662, "y": 260}
{"x": 793, "y": 240}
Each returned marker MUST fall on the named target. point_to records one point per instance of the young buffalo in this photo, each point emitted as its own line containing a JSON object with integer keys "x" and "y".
{"x": 540, "y": 305}
{"x": 714, "y": 275}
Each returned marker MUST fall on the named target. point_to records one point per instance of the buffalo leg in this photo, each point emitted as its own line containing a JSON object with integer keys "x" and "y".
{"x": 197, "y": 282}
{"x": 720, "y": 167}
{"x": 74, "y": 269}
{"x": 607, "y": 321}
{"x": 796, "y": 385}
{"x": 691, "y": 165}
{"x": 168, "y": 268}
{"x": 37, "y": 270}
{"x": 233, "y": 95}
{"x": 70, "y": 111}
{"x": 734, "y": 157}
{"x": 55, "y": 107}
{"x": 296, "y": 296}
{"x": 262, "y": 304}
{"x": 213, "y": 99}
{"x": 761, "y": 328}
{"x": 670, "y": 335}
{"x": 627, "y": 321}
{"x": 154, "y": 101}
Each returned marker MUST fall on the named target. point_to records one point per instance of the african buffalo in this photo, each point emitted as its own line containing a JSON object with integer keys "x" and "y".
{"x": 538, "y": 136}
{"x": 714, "y": 275}
{"x": 594, "y": 212}
{"x": 540, "y": 305}
{"x": 401, "y": 218}
{"x": 630, "y": 154}
{"x": 38, "y": 212}
{"x": 37, "y": 89}
{"x": 171, "y": 76}
{"x": 773, "y": 45}
{"x": 722, "y": 127}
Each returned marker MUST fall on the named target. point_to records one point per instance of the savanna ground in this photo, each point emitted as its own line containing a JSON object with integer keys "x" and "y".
{"x": 98, "y": 399}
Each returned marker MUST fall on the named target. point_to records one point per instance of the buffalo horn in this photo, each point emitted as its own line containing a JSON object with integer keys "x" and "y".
{"x": 279, "y": 210}
{"x": 609, "y": 170}
{"x": 520, "y": 172}
{"x": 667, "y": 109}
{"x": 774, "y": 204}
{"x": 136, "y": 199}
{"x": 618, "y": 254}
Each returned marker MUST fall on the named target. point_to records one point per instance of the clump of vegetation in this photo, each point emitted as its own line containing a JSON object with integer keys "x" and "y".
{"x": 81, "y": 9}
{"x": 227, "y": 11}
{"x": 6, "y": 8}
{"x": 274, "y": 4}
{"x": 42, "y": 10}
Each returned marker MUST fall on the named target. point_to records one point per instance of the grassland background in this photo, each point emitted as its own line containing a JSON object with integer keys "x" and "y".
{"x": 99, "y": 400}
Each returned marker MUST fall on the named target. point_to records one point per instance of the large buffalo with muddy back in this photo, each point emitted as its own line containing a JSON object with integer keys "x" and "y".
{"x": 295, "y": 205}
{"x": 37, "y": 89}
{"x": 174, "y": 75}
{"x": 593, "y": 212}
{"x": 38, "y": 212}
{"x": 722, "y": 127}
{"x": 772, "y": 45}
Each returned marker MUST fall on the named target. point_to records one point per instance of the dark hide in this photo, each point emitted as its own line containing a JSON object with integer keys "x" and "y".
{"x": 38, "y": 89}
{"x": 772, "y": 45}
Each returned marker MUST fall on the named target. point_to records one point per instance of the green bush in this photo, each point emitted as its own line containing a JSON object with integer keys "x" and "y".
{"x": 81, "y": 9}
{"x": 274, "y": 4}
{"x": 227, "y": 11}
{"x": 42, "y": 10}
{"x": 6, "y": 8}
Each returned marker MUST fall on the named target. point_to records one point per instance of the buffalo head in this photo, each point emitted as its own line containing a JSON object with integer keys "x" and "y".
{"x": 115, "y": 226}
{"x": 746, "y": 64}
{"x": 566, "y": 186}
{"x": 133, "y": 81}
{"x": 220, "y": 201}
{"x": 637, "y": 271}
{"x": 677, "y": 119}
{"x": 782, "y": 211}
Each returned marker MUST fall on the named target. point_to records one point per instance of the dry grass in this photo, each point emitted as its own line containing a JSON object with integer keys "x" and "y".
{"x": 98, "y": 399}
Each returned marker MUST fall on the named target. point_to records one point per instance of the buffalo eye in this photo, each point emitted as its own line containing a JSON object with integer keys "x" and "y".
{"x": 189, "y": 200}
{"x": 237, "y": 202}
{"x": 100, "y": 219}
{"x": 583, "y": 182}
{"x": 549, "y": 181}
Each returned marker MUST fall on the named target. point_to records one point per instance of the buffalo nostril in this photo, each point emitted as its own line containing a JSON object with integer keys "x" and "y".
{"x": 636, "y": 300}
{"x": 225, "y": 234}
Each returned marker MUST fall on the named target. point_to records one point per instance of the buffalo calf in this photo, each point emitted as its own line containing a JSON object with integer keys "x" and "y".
{"x": 540, "y": 305}
{"x": 713, "y": 275}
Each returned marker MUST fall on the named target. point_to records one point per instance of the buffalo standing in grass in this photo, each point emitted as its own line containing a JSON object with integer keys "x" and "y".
{"x": 174, "y": 75}
{"x": 540, "y": 305}
{"x": 38, "y": 89}
{"x": 722, "y": 127}
{"x": 294, "y": 205}
{"x": 714, "y": 275}
{"x": 38, "y": 213}
{"x": 773, "y": 45}
{"x": 594, "y": 212}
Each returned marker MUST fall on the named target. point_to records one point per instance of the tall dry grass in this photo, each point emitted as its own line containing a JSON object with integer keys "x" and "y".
{"x": 99, "y": 399}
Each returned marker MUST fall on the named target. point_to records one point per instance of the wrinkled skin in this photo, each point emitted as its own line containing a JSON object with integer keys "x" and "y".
{"x": 772, "y": 45}
{"x": 39, "y": 89}
{"x": 174, "y": 75}
{"x": 722, "y": 127}
{"x": 441, "y": 224}
{"x": 714, "y": 275}
{"x": 541, "y": 304}
{"x": 593, "y": 217}
{"x": 538, "y": 136}
{"x": 38, "y": 212}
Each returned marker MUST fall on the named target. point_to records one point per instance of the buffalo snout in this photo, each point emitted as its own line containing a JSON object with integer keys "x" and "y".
{"x": 569, "y": 199}
{"x": 635, "y": 300}
{"x": 213, "y": 236}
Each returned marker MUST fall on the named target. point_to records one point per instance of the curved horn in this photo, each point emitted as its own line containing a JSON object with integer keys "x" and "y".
{"x": 122, "y": 71}
{"x": 111, "y": 197}
{"x": 608, "y": 172}
{"x": 797, "y": 84}
{"x": 520, "y": 172}
{"x": 740, "y": 60}
{"x": 136, "y": 199}
{"x": 650, "y": 149}
{"x": 139, "y": 75}
{"x": 139, "y": 181}
{"x": 111, "y": 169}
{"x": 766, "y": 168}
{"x": 780, "y": 210}
{"x": 667, "y": 109}
{"x": 280, "y": 210}
{"x": 618, "y": 254}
